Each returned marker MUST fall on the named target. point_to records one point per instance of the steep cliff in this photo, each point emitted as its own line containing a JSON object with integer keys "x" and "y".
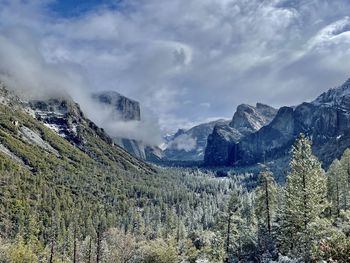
{"x": 246, "y": 120}
{"x": 122, "y": 110}
{"x": 326, "y": 120}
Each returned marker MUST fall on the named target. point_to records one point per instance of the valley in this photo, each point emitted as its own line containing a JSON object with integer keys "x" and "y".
{"x": 69, "y": 193}
{"x": 186, "y": 131}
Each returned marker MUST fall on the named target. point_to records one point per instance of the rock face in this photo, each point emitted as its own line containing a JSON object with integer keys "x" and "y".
{"x": 64, "y": 117}
{"x": 246, "y": 120}
{"x": 189, "y": 145}
{"x": 124, "y": 109}
{"x": 140, "y": 150}
{"x": 220, "y": 143}
{"x": 326, "y": 120}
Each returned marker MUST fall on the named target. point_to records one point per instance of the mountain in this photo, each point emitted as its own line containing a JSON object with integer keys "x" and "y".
{"x": 189, "y": 145}
{"x": 246, "y": 120}
{"x": 124, "y": 109}
{"x": 60, "y": 129}
{"x": 326, "y": 120}
{"x": 334, "y": 96}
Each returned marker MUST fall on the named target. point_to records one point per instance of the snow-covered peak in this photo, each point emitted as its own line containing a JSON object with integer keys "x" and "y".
{"x": 333, "y": 96}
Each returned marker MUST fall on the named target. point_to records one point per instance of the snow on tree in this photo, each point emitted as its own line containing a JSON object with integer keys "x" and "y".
{"x": 266, "y": 199}
{"x": 265, "y": 210}
{"x": 305, "y": 199}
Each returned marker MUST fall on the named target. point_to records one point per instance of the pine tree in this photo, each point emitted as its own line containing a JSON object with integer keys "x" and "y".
{"x": 305, "y": 199}
{"x": 265, "y": 210}
{"x": 336, "y": 182}
{"x": 266, "y": 200}
{"x": 345, "y": 179}
{"x": 233, "y": 246}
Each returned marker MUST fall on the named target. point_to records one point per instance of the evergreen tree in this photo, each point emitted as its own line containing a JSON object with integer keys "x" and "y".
{"x": 344, "y": 175}
{"x": 336, "y": 182}
{"x": 265, "y": 209}
{"x": 305, "y": 199}
{"x": 266, "y": 200}
{"x": 234, "y": 220}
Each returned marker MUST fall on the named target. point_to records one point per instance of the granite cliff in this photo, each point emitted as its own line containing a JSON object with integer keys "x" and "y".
{"x": 326, "y": 120}
{"x": 246, "y": 120}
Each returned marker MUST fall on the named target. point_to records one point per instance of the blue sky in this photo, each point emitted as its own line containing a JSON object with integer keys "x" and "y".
{"x": 70, "y": 8}
{"x": 186, "y": 61}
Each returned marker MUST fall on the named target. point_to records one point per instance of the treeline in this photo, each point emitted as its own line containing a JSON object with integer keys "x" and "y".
{"x": 177, "y": 215}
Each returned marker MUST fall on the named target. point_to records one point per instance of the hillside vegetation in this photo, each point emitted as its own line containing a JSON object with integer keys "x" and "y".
{"x": 51, "y": 197}
{"x": 93, "y": 202}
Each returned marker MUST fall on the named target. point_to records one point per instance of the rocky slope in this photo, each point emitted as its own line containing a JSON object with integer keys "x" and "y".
{"x": 326, "y": 120}
{"x": 62, "y": 118}
{"x": 189, "y": 145}
{"x": 123, "y": 109}
{"x": 246, "y": 120}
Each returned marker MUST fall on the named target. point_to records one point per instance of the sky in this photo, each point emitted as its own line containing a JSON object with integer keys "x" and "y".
{"x": 70, "y": 8}
{"x": 185, "y": 61}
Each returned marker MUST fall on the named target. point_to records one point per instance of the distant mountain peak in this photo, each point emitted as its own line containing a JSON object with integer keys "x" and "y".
{"x": 347, "y": 83}
{"x": 262, "y": 105}
{"x": 248, "y": 118}
{"x": 326, "y": 120}
{"x": 179, "y": 132}
{"x": 112, "y": 95}
{"x": 127, "y": 109}
{"x": 333, "y": 96}
{"x": 124, "y": 109}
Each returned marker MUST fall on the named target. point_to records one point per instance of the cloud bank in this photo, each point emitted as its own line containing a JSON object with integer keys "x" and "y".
{"x": 183, "y": 142}
{"x": 185, "y": 61}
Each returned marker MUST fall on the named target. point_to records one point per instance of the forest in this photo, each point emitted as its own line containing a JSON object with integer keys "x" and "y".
{"x": 177, "y": 215}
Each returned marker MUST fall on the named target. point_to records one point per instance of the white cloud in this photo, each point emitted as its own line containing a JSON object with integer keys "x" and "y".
{"x": 168, "y": 53}
{"x": 333, "y": 34}
{"x": 183, "y": 142}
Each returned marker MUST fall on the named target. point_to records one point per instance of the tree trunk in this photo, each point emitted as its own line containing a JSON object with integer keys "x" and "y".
{"x": 90, "y": 248}
{"x": 338, "y": 202}
{"x": 75, "y": 246}
{"x": 228, "y": 237}
{"x": 268, "y": 207}
{"x": 178, "y": 231}
{"x": 98, "y": 246}
{"x": 52, "y": 250}
{"x": 305, "y": 201}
